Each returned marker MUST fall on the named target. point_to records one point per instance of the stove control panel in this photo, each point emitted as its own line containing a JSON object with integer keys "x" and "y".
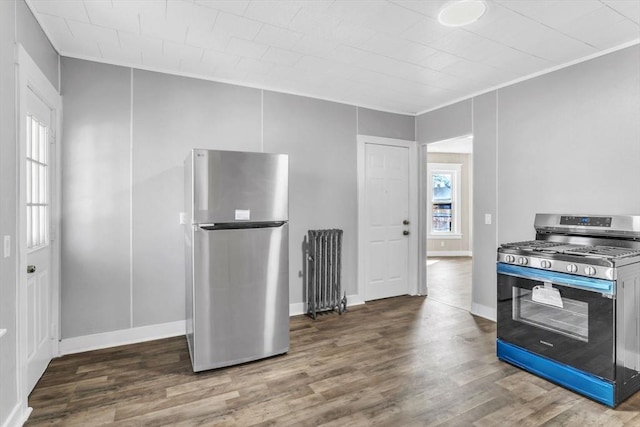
{"x": 586, "y": 221}
{"x": 560, "y": 266}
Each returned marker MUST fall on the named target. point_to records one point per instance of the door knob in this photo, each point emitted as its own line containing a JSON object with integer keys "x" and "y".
{"x": 405, "y": 232}
{"x": 31, "y": 269}
{"x": 405, "y": 222}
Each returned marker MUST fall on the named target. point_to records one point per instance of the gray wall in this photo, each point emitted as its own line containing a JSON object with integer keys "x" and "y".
{"x": 34, "y": 40}
{"x": 125, "y": 143}
{"x": 14, "y": 18}
{"x": 567, "y": 141}
{"x": 485, "y": 176}
{"x": 573, "y": 146}
{"x": 95, "y": 197}
{"x": 320, "y": 138}
{"x": 446, "y": 123}
{"x": 171, "y": 115}
{"x": 387, "y": 125}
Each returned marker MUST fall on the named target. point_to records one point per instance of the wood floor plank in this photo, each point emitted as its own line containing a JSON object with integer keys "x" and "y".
{"x": 177, "y": 413}
{"x": 400, "y": 362}
{"x": 449, "y": 281}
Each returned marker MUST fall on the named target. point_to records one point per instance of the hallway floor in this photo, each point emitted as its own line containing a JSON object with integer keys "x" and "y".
{"x": 449, "y": 281}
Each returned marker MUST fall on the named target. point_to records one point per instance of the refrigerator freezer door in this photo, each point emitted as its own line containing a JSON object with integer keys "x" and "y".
{"x": 240, "y": 295}
{"x": 237, "y": 186}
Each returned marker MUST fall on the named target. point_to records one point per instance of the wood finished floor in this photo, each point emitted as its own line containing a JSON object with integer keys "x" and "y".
{"x": 449, "y": 281}
{"x": 405, "y": 361}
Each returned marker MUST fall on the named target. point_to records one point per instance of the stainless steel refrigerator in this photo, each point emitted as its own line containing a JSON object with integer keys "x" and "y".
{"x": 237, "y": 256}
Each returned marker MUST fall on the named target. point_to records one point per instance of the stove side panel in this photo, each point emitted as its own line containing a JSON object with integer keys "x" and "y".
{"x": 627, "y": 331}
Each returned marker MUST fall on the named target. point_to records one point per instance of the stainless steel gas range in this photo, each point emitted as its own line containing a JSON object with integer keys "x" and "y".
{"x": 569, "y": 304}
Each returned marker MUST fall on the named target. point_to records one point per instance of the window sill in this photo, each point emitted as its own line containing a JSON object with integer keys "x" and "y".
{"x": 447, "y": 236}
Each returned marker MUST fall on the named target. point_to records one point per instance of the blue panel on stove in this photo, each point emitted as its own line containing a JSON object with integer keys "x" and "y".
{"x": 586, "y": 283}
{"x": 564, "y": 375}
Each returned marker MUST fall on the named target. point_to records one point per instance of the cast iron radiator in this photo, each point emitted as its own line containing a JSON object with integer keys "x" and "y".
{"x": 323, "y": 272}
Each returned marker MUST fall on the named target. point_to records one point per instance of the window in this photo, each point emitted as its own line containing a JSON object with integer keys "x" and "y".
{"x": 443, "y": 195}
{"x": 37, "y": 184}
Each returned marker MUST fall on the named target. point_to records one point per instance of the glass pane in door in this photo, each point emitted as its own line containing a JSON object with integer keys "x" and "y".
{"x": 572, "y": 319}
{"x": 37, "y": 184}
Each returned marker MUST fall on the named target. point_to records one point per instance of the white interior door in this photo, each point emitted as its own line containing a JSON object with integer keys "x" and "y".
{"x": 38, "y": 166}
{"x": 387, "y": 220}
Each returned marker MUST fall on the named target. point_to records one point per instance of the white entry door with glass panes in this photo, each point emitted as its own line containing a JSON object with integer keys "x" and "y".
{"x": 443, "y": 199}
{"x": 38, "y": 222}
{"x": 387, "y": 220}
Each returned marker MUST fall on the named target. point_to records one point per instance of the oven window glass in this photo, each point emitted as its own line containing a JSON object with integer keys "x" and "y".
{"x": 572, "y": 319}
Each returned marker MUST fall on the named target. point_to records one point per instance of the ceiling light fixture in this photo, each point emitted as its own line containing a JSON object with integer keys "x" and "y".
{"x": 456, "y": 13}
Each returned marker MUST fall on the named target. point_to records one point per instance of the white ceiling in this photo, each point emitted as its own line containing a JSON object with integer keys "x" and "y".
{"x": 389, "y": 55}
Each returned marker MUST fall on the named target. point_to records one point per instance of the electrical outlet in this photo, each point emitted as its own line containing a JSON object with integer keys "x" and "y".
{"x": 7, "y": 246}
{"x": 183, "y": 218}
{"x": 487, "y": 219}
{"x": 442, "y": 244}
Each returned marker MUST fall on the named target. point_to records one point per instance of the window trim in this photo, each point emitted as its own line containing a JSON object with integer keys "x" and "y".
{"x": 455, "y": 169}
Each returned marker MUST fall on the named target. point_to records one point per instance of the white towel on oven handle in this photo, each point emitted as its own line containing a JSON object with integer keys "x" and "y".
{"x": 547, "y": 294}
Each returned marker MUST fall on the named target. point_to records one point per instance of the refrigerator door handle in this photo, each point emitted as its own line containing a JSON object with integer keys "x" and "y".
{"x": 241, "y": 225}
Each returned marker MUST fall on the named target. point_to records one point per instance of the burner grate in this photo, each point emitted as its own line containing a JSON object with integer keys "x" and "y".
{"x": 610, "y": 252}
{"x": 531, "y": 245}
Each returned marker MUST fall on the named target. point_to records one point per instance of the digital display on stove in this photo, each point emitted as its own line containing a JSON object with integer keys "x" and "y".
{"x": 586, "y": 221}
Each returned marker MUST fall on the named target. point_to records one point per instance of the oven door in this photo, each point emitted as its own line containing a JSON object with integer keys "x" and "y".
{"x": 567, "y": 318}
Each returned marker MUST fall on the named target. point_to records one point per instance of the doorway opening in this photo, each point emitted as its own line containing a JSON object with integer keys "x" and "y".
{"x": 447, "y": 213}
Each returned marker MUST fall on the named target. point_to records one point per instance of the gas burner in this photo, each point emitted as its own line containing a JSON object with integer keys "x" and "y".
{"x": 531, "y": 245}
{"x": 590, "y": 251}
{"x": 610, "y": 252}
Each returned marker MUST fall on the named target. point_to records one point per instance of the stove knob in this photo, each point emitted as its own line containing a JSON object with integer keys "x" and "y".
{"x": 572, "y": 268}
{"x": 522, "y": 261}
{"x": 590, "y": 271}
{"x": 510, "y": 258}
{"x": 545, "y": 264}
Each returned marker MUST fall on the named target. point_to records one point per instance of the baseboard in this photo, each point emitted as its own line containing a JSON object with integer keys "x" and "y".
{"x": 298, "y": 308}
{"x": 449, "y": 253}
{"x": 121, "y": 337}
{"x": 354, "y": 300}
{"x": 17, "y": 417}
{"x": 152, "y": 332}
{"x": 483, "y": 311}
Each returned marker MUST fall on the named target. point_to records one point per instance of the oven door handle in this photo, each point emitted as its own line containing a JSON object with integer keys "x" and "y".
{"x": 585, "y": 283}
